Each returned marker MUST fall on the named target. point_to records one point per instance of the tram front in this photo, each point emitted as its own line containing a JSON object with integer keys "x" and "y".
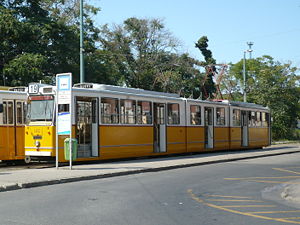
{"x": 40, "y": 129}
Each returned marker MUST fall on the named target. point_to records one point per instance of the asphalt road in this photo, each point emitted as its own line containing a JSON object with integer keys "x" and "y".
{"x": 240, "y": 192}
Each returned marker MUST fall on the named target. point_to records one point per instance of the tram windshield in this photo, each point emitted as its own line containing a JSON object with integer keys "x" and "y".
{"x": 40, "y": 108}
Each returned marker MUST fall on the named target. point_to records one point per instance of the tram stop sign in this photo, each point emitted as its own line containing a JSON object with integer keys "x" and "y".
{"x": 64, "y": 85}
{"x": 63, "y": 114}
{"x": 64, "y": 95}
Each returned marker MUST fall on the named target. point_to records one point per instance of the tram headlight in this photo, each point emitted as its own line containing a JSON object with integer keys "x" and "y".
{"x": 37, "y": 144}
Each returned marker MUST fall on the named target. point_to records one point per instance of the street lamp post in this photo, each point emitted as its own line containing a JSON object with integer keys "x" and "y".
{"x": 244, "y": 74}
{"x": 81, "y": 44}
{"x": 244, "y": 77}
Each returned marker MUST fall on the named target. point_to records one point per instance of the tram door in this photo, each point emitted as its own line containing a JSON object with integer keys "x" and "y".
{"x": 244, "y": 128}
{"x": 87, "y": 126}
{"x": 209, "y": 127}
{"x": 159, "y": 123}
{"x": 9, "y": 137}
{"x": 13, "y": 116}
{"x": 20, "y": 115}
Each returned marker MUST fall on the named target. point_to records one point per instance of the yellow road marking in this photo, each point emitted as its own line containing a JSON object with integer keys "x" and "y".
{"x": 246, "y": 206}
{"x": 274, "y": 182}
{"x": 246, "y": 178}
{"x": 193, "y": 196}
{"x": 226, "y": 196}
{"x": 290, "y": 218}
{"x": 284, "y": 170}
{"x": 271, "y": 212}
{"x": 232, "y": 200}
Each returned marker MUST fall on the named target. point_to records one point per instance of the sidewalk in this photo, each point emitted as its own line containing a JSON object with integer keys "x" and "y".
{"x": 26, "y": 178}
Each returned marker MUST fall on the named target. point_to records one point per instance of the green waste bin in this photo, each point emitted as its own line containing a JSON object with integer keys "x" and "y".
{"x": 67, "y": 148}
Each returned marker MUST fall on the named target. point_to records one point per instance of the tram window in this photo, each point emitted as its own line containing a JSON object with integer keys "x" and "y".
{"x": 19, "y": 113}
{"x": 173, "y": 114}
{"x": 252, "y": 119}
{"x": 1, "y": 108}
{"x": 195, "y": 115}
{"x": 127, "y": 111}
{"x": 268, "y": 119}
{"x": 220, "y": 116}
{"x": 236, "y": 117}
{"x": 10, "y": 113}
{"x": 24, "y": 112}
{"x": 144, "y": 112}
{"x": 109, "y": 110}
{"x": 258, "y": 119}
{"x": 264, "y": 119}
{"x": 159, "y": 113}
{"x": 4, "y": 113}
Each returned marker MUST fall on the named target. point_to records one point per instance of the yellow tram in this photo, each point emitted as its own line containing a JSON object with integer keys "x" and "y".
{"x": 112, "y": 122}
{"x": 12, "y": 123}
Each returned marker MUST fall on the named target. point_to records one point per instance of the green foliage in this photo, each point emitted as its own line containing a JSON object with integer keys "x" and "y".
{"x": 202, "y": 45}
{"x": 208, "y": 88}
{"x": 276, "y": 85}
{"x": 144, "y": 54}
{"x": 47, "y": 28}
{"x": 26, "y": 67}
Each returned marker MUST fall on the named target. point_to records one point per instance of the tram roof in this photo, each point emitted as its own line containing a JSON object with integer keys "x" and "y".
{"x": 136, "y": 91}
{"x": 245, "y": 105}
{"x": 231, "y": 103}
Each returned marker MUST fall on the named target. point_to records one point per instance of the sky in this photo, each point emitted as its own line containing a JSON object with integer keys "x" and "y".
{"x": 272, "y": 25}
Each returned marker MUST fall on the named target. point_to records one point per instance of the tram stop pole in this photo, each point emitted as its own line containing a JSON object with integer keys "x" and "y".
{"x": 64, "y": 111}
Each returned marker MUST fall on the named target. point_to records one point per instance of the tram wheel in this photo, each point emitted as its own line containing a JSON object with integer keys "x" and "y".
{"x": 27, "y": 159}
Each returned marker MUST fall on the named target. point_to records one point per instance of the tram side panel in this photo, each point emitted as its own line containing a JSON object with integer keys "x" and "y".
{"x": 176, "y": 139}
{"x": 20, "y": 137}
{"x": 221, "y": 138}
{"x": 5, "y": 147}
{"x": 258, "y": 129}
{"x": 258, "y": 137}
{"x": 195, "y": 139}
{"x": 235, "y": 137}
{"x": 125, "y": 141}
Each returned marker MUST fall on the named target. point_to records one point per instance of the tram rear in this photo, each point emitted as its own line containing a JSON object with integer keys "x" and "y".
{"x": 12, "y": 121}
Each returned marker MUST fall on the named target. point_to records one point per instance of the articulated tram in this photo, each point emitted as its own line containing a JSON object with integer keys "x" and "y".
{"x": 111, "y": 122}
{"x": 12, "y": 123}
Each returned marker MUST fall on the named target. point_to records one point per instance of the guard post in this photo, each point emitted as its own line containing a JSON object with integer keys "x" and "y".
{"x": 63, "y": 110}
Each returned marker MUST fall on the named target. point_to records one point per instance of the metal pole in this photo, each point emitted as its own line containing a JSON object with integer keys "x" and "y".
{"x": 81, "y": 44}
{"x": 56, "y": 127}
{"x": 244, "y": 77}
{"x": 71, "y": 143}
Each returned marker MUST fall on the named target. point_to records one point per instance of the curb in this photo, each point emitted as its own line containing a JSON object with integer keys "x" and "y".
{"x": 18, "y": 186}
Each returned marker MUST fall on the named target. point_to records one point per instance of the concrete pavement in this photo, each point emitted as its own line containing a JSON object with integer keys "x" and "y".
{"x": 11, "y": 179}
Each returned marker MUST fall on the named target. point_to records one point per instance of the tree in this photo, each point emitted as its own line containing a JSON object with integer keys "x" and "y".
{"x": 21, "y": 33}
{"x": 39, "y": 27}
{"x": 26, "y": 67}
{"x": 208, "y": 88}
{"x": 140, "y": 48}
{"x": 276, "y": 85}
